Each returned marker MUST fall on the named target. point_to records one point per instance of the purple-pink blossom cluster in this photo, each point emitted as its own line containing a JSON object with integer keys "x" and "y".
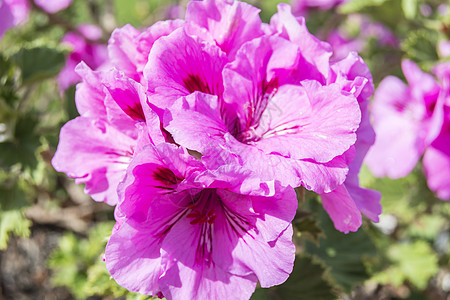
{"x": 199, "y": 133}
{"x": 412, "y": 120}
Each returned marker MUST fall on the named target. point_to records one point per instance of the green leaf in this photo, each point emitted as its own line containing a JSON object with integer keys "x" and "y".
{"x": 343, "y": 254}
{"x": 308, "y": 227}
{"x": 358, "y": 5}
{"x": 13, "y": 195}
{"x": 414, "y": 262}
{"x": 307, "y": 281}
{"x": 427, "y": 227}
{"x": 12, "y": 221}
{"x": 39, "y": 63}
{"x": 22, "y": 149}
{"x": 420, "y": 46}
{"x": 410, "y": 8}
{"x": 8, "y": 84}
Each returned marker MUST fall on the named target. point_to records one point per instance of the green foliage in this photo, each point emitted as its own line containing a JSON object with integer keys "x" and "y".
{"x": 39, "y": 62}
{"x": 12, "y": 221}
{"x": 21, "y": 147}
{"x": 13, "y": 197}
{"x": 308, "y": 227}
{"x": 420, "y": 46}
{"x": 343, "y": 254}
{"x": 414, "y": 262}
{"x": 354, "y": 6}
{"x": 75, "y": 256}
{"x": 77, "y": 264}
{"x": 307, "y": 281}
{"x": 410, "y": 8}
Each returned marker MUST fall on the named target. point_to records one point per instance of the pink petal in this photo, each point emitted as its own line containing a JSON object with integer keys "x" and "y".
{"x": 342, "y": 209}
{"x": 400, "y": 130}
{"x": 154, "y": 171}
{"x": 367, "y": 201}
{"x": 133, "y": 258}
{"x": 129, "y": 48}
{"x": 179, "y": 65}
{"x": 436, "y": 162}
{"x": 227, "y": 23}
{"x": 53, "y": 6}
{"x": 326, "y": 120}
{"x": 127, "y": 93}
{"x": 123, "y": 52}
{"x": 96, "y": 154}
{"x": 199, "y": 109}
{"x": 316, "y": 54}
{"x": 260, "y": 67}
{"x": 90, "y": 95}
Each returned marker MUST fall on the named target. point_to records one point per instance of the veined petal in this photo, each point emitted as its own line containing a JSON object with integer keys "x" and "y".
{"x": 309, "y": 122}
{"x": 127, "y": 93}
{"x": 133, "y": 258}
{"x": 260, "y": 67}
{"x": 181, "y": 282}
{"x": 99, "y": 158}
{"x": 199, "y": 109}
{"x": 155, "y": 170}
{"x": 180, "y": 65}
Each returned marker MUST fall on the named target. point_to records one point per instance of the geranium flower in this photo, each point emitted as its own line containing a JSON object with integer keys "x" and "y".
{"x": 275, "y": 121}
{"x": 189, "y": 235}
{"x": 401, "y": 115}
{"x": 84, "y": 49}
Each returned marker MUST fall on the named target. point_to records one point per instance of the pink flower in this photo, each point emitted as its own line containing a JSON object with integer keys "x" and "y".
{"x": 411, "y": 121}
{"x": 53, "y": 6}
{"x": 192, "y": 238}
{"x": 12, "y": 13}
{"x": 401, "y": 116}
{"x": 97, "y": 147}
{"x": 436, "y": 160}
{"x": 262, "y": 110}
{"x": 274, "y": 99}
{"x": 83, "y": 49}
{"x": 302, "y": 7}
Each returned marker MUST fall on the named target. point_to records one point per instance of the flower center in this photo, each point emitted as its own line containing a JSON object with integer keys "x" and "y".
{"x": 255, "y": 114}
{"x": 194, "y": 83}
